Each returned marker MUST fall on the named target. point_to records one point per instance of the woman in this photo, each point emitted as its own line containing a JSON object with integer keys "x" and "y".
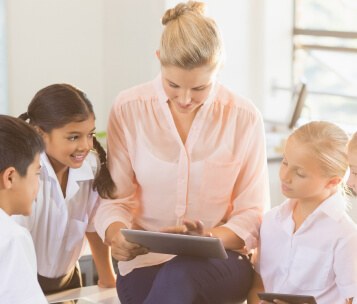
{"x": 187, "y": 156}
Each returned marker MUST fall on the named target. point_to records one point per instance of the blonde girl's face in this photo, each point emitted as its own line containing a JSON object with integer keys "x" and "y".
{"x": 187, "y": 90}
{"x": 68, "y": 146}
{"x": 301, "y": 175}
{"x": 352, "y": 162}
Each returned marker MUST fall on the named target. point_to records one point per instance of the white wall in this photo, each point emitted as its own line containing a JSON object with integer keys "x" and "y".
{"x": 106, "y": 46}
{"x": 131, "y": 33}
{"x": 53, "y": 41}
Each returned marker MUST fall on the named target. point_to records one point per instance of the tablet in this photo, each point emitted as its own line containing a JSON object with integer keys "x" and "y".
{"x": 74, "y": 301}
{"x": 290, "y": 298}
{"x": 178, "y": 244}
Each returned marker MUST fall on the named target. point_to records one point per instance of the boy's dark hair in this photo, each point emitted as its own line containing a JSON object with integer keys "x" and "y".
{"x": 59, "y": 104}
{"x": 19, "y": 144}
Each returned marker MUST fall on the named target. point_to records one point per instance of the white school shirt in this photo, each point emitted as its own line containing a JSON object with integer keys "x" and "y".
{"x": 319, "y": 259}
{"x": 18, "y": 279}
{"x": 57, "y": 224}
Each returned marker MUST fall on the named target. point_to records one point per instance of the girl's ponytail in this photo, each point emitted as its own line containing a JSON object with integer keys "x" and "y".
{"x": 24, "y": 116}
{"x": 103, "y": 182}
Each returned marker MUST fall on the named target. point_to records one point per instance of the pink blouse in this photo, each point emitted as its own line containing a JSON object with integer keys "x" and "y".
{"x": 218, "y": 176}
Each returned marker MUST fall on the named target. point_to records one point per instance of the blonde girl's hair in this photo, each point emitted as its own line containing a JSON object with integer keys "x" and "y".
{"x": 190, "y": 39}
{"x": 328, "y": 144}
{"x": 352, "y": 144}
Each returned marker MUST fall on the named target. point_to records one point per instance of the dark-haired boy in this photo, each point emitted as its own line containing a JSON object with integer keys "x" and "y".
{"x": 20, "y": 148}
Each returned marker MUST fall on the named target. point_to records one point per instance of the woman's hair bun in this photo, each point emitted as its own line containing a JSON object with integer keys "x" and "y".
{"x": 182, "y": 8}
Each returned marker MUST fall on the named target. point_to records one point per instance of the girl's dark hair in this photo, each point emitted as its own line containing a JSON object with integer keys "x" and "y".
{"x": 19, "y": 144}
{"x": 59, "y": 104}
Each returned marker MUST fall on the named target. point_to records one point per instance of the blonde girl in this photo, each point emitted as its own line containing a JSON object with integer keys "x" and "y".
{"x": 308, "y": 243}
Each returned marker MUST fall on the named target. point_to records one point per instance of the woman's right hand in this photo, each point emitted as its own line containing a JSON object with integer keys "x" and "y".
{"x": 122, "y": 250}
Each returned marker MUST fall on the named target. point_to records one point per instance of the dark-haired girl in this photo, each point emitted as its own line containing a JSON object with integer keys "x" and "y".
{"x": 73, "y": 176}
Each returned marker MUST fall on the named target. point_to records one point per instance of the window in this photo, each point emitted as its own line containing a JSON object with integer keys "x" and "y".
{"x": 325, "y": 55}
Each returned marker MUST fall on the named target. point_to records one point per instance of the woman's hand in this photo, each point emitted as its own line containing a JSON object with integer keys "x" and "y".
{"x": 122, "y": 250}
{"x": 188, "y": 227}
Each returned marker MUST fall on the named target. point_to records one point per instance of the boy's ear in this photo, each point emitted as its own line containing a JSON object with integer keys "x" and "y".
{"x": 334, "y": 181}
{"x": 7, "y": 177}
{"x": 157, "y": 54}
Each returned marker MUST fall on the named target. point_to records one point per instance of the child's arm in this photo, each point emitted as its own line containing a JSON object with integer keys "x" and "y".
{"x": 257, "y": 286}
{"x": 102, "y": 259}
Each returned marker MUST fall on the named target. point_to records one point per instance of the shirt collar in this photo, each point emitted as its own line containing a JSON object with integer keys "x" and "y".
{"x": 284, "y": 216}
{"x": 3, "y": 214}
{"x": 82, "y": 173}
{"x": 334, "y": 207}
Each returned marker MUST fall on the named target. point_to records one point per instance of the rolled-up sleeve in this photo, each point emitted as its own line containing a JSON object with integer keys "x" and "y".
{"x": 251, "y": 191}
{"x": 345, "y": 265}
{"x": 119, "y": 163}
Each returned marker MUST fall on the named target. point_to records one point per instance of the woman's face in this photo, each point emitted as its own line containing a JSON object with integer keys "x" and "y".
{"x": 187, "y": 90}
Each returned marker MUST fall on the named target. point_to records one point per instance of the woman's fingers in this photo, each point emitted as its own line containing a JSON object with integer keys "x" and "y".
{"x": 191, "y": 227}
{"x": 122, "y": 250}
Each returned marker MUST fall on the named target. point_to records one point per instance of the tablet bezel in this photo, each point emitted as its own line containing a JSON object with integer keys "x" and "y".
{"x": 177, "y": 244}
{"x": 290, "y": 298}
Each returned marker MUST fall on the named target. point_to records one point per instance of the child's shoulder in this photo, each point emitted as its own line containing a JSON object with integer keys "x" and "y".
{"x": 280, "y": 211}
{"x": 92, "y": 161}
{"x": 276, "y": 209}
{"x": 9, "y": 229}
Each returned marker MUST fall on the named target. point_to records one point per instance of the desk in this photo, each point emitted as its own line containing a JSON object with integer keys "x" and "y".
{"x": 90, "y": 293}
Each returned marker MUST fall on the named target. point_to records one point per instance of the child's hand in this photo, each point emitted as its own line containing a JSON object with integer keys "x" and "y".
{"x": 109, "y": 284}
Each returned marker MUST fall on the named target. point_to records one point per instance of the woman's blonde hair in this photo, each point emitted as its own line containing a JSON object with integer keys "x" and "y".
{"x": 190, "y": 39}
{"x": 328, "y": 144}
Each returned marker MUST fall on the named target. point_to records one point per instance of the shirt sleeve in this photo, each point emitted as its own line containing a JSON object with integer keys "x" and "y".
{"x": 18, "y": 272}
{"x": 93, "y": 197}
{"x": 120, "y": 167}
{"x": 251, "y": 190}
{"x": 345, "y": 266}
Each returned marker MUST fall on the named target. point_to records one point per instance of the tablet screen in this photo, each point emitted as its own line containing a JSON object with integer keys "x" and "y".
{"x": 178, "y": 244}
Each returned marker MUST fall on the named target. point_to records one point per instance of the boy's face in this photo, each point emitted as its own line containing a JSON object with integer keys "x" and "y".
{"x": 25, "y": 188}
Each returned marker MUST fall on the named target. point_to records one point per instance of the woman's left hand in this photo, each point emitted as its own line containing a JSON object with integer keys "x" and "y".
{"x": 191, "y": 227}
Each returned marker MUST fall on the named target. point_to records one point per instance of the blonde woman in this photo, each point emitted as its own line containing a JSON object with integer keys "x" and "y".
{"x": 309, "y": 243}
{"x": 187, "y": 156}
